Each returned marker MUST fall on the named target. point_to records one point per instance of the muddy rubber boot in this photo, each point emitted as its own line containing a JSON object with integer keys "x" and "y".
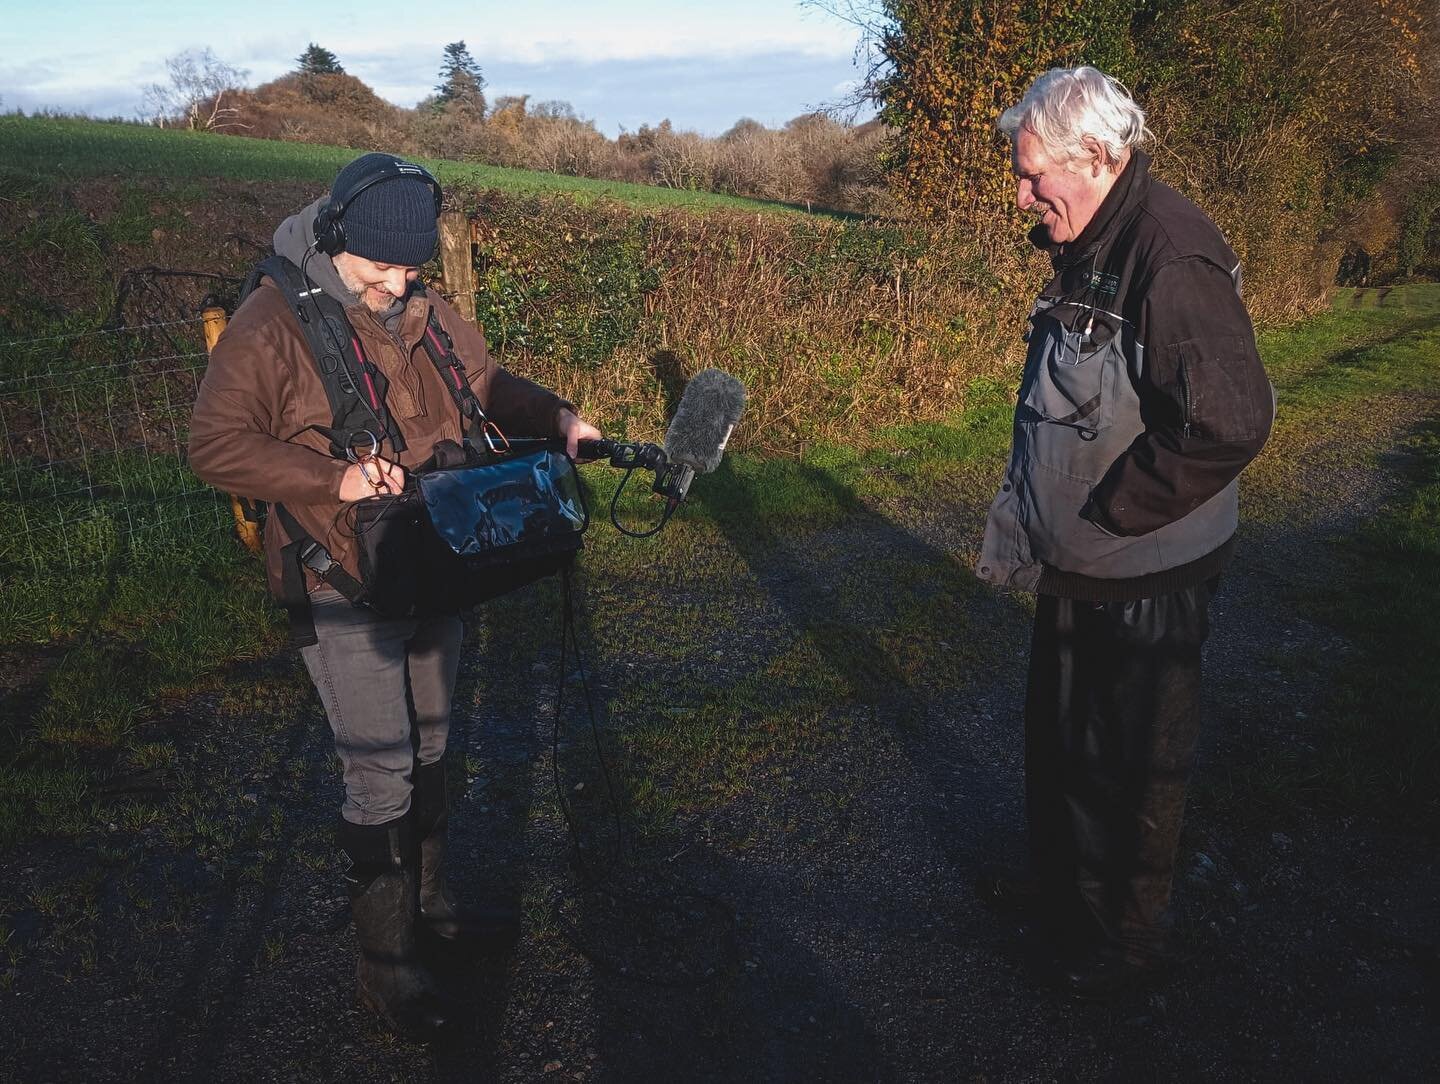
{"x": 441, "y": 914}
{"x": 390, "y": 979}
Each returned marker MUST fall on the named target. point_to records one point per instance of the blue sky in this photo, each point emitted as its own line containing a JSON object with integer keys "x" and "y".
{"x": 621, "y": 63}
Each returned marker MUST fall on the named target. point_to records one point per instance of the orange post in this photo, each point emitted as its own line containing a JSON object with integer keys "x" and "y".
{"x": 247, "y": 529}
{"x": 215, "y": 321}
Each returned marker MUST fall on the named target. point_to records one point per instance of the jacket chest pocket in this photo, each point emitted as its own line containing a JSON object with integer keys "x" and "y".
{"x": 1069, "y": 377}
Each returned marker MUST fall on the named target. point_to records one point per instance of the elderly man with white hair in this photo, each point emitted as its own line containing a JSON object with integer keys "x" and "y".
{"x": 1142, "y": 400}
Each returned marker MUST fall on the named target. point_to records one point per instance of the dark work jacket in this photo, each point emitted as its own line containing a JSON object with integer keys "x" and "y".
{"x": 1143, "y": 398}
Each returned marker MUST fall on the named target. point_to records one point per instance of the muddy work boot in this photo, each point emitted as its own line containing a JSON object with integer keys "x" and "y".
{"x": 441, "y": 914}
{"x": 390, "y": 979}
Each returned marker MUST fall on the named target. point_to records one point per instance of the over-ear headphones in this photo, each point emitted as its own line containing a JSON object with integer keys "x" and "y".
{"x": 329, "y": 221}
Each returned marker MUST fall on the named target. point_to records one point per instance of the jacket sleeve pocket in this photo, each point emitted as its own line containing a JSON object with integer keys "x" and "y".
{"x": 1224, "y": 394}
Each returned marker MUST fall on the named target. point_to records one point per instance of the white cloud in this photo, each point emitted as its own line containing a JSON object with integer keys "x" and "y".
{"x": 596, "y": 33}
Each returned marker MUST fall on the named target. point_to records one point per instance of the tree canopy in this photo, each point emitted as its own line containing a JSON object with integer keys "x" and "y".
{"x": 462, "y": 86}
{"x": 317, "y": 60}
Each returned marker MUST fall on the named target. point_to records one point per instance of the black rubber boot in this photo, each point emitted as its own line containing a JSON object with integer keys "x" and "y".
{"x": 382, "y": 882}
{"x": 441, "y": 914}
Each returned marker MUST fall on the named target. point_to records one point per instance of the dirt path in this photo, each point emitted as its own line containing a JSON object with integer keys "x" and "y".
{"x": 832, "y": 897}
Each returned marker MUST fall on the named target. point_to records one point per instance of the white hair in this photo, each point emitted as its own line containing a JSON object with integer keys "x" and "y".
{"x": 1065, "y": 106}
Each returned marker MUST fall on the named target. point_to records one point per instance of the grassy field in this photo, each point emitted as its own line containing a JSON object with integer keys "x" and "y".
{"x": 74, "y": 149}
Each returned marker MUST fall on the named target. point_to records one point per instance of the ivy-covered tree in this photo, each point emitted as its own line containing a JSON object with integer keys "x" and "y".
{"x": 461, "y": 88}
{"x": 943, "y": 70}
{"x": 317, "y": 60}
{"x": 1280, "y": 118}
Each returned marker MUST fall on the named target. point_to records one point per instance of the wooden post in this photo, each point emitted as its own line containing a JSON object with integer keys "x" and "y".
{"x": 246, "y": 527}
{"x": 457, "y": 262}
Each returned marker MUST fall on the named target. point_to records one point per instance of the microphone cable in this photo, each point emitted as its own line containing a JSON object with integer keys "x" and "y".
{"x": 670, "y": 506}
{"x": 676, "y": 908}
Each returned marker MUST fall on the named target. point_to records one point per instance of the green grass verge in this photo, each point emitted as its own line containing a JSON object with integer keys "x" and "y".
{"x": 1371, "y": 342}
{"x": 1381, "y": 747}
{"x": 144, "y": 623}
{"x": 73, "y": 149}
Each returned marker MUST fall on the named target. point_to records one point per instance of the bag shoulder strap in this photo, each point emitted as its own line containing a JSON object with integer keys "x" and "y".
{"x": 440, "y": 348}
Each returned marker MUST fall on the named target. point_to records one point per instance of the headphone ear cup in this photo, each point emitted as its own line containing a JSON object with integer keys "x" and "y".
{"x": 329, "y": 233}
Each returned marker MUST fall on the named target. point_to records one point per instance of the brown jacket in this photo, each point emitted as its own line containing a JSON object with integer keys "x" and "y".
{"x": 250, "y": 432}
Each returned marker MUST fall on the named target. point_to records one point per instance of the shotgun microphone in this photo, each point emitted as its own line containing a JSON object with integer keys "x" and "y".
{"x": 695, "y": 443}
{"x": 705, "y": 417}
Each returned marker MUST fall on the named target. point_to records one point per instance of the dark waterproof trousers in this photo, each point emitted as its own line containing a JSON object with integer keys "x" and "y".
{"x": 1112, "y": 714}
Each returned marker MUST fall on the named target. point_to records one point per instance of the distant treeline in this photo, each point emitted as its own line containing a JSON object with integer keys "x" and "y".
{"x": 812, "y": 160}
{"x": 1310, "y": 131}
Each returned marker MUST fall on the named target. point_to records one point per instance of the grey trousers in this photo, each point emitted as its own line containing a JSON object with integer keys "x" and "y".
{"x": 386, "y": 686}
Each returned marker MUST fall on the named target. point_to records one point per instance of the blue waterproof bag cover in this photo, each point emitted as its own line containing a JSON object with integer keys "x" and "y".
{"x": 527, "y": 505}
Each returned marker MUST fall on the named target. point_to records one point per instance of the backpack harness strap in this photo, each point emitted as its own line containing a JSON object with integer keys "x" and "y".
{"x": 354, "y": 385}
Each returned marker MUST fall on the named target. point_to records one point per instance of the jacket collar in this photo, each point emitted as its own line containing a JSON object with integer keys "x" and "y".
{"x": 1129, "y": 189}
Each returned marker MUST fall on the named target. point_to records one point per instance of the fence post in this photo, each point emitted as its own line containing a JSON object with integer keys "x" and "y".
{"x": 246, "y": 528}
{"x": 457, "y": 262}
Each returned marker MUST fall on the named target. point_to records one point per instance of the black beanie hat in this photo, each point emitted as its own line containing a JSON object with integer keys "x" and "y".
{"x": 392, "y": 221}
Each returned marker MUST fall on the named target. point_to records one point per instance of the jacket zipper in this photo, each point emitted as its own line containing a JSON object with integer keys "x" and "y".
{"x": 400, "y": 344}
{"x": 1185, "y": 397}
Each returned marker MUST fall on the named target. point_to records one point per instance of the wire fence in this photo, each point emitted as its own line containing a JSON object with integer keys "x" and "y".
{"x": 94, "y": 425}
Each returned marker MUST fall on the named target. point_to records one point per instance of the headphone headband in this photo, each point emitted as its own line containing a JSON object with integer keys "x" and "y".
{"x": 329, "y": 227}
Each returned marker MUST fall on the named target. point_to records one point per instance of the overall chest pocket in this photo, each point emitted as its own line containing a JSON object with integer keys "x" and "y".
{"x": 1069, "y": 376}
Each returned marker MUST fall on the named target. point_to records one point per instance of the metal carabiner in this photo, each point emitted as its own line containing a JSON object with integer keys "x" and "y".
{"x": 360, "y": 457}
{"x": 487, "y": 428}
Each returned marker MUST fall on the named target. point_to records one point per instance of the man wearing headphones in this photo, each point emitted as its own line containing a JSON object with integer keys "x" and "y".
{"x": 262, "y": 429}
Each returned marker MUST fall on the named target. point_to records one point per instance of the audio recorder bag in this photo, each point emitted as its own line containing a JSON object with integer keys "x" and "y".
{"x": 458, "y": 535}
